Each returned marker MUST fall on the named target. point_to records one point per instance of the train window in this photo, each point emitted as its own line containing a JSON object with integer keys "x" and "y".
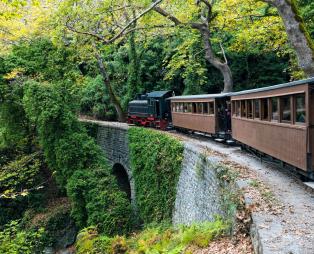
{"x": 181, "y": 107}
{"x": 274, "y": 109}
{"x": 185, "y": 107}
{"x": 211, "y": 108}
{"x": 199, "y": 108}
{"x": 286, "y": 109}
{"x": 177, "y": 107}
{"x": 234, "y": 109}
{"x": 238, "y": 103}
{"x": 173, "y": 107}
{"x": 189, "y": 107}
{"x": 243, "y": 108}
{"x": 300, "y": 113}
{"x": 256, "y": 109}
{"x": 249, "y": 108}
{"x": 205, "y": 108}
{"x": 264, "y": 107}
{"x": 193, "y": 107}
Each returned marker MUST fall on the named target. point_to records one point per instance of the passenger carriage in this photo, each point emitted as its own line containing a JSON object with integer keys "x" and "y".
{"x": 208, "y": 113}
{"x": 278, "y": 121}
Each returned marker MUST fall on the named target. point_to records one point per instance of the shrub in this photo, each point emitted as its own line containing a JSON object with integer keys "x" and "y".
{"x": 14, "y": 240}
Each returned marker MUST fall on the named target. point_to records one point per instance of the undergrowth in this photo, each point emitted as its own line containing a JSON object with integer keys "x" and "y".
{"x": 160, "y": 238}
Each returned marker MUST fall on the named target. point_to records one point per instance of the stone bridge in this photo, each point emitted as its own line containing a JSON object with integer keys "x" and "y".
{"x": 197, "y": 198}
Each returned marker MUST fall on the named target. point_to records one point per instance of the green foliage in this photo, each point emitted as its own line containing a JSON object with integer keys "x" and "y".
{"x": 54, "y": 218}
{"x": 154, "y": 239}
{"x": 15, "y": 130}
{"x": 97, "y": 200}
{"x": 20, "y": 174}
{"x": 79, "y": 163}
{"x": 20, "y": 182}
{"x": 95, "y": 101}
{"x": 14, "y": 240}
{"x": 156, "y": 164}
{"x": 41, "y": 60}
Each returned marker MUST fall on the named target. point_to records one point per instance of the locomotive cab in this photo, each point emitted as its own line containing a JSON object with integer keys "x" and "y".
{"x": 151, "y": 109}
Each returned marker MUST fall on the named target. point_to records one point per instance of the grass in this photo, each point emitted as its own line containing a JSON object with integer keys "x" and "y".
{"x": 154, "y": 239}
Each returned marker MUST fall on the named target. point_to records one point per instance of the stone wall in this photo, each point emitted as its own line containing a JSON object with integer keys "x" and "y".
{"x": 198, "y": 191}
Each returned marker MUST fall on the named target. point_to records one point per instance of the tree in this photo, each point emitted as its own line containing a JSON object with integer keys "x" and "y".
{"x": 297, "y": 33}
{"x": 104, "y": 23}
{"x": 203, "y": 25}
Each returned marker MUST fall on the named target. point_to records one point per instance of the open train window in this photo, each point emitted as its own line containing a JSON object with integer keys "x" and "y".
{"x": 194, "y": 107}
{"x": 265, "y": 113}
{"x": 256, "y": 109}
{"x": 199, "y": 108}
{"x": 286, "y": 109}
{"x": 185, "y": 107}
{"x": 173, "y": 107}
{"x": 181, "y": 107}
{"x": 250, "y": 109}
{"x": 243, "y": 108}
{"x": 189, "y": 107}
{"x": 238, "y": 105}
{"x": 300, "y": 113}
{"x": 233, "y": 108}
{"x": 274, "y": 109}
{"x": 205, "y": 108}
{"x": 211, "y": 108}
{"x": 177, "y": 107}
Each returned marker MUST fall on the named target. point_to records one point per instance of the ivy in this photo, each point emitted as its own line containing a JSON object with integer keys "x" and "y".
{"x": 156, "y": 164}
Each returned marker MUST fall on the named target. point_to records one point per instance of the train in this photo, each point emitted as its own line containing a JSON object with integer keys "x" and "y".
{"x": 275, "y": 121}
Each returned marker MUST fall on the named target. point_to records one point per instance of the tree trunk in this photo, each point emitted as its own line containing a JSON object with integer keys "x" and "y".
{"x": 223, "y": 67}
{"x": 297, "y": 34}
{"x": 115, "y": 101}
{"x": 133, "y": 70}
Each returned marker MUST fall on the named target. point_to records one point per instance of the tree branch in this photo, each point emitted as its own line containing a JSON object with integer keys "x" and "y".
{"x": 130, "y": 23}
{"x": 167, "y": 15}
{"x": 223, "y": 53}
{"x": 71, "y": 28}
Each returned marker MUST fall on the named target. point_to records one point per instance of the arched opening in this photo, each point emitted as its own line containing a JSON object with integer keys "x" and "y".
{"x": 122, "y": 178}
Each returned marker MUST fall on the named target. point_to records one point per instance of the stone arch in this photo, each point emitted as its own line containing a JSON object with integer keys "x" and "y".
{"x": 123, "y": 180}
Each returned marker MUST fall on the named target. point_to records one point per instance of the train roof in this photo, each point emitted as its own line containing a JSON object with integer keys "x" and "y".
{"x": 200, "y": 96}
{"x": 158, "y": 94}
{"x": 136, "y": 102}
{"x": 294, "y": 83}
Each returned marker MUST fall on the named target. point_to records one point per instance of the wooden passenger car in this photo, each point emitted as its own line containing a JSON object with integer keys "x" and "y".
{"x": 278, "y": 121}
{"x": 204, "y": 113}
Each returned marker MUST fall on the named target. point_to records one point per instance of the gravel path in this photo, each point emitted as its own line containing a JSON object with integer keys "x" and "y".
{"x": 282, "y": 207}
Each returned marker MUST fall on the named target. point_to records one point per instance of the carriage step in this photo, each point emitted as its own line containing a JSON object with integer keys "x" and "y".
{"x": 230, "y": 142}
{"x": 219, "y": 140}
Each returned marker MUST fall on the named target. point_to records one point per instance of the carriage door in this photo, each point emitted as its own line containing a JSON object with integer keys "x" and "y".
{"x": 223, "y": 116}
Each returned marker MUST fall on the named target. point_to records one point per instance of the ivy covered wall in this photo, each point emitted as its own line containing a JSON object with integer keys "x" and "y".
{"x": 156, "y": 160}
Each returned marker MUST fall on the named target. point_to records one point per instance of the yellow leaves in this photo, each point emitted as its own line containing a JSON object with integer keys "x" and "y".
{"x": 23, "y": 19}
{"x": 13, "y": 74}
{"x": 253, "y": 24}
